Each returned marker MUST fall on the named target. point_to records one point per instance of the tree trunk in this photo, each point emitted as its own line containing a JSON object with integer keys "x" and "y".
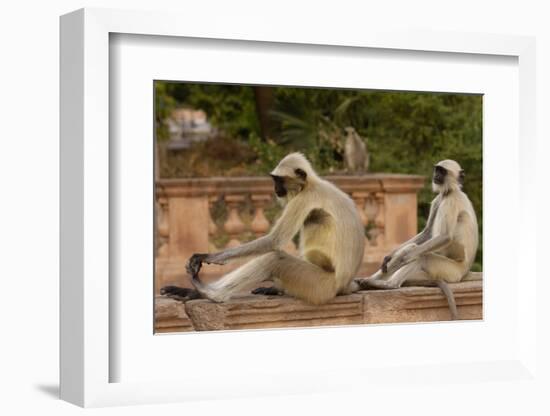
{"x": 264, "y": 100}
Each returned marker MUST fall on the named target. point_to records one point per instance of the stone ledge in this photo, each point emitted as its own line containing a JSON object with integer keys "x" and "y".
{"x": 417, "y": 304}
{"x": 250, "y": 312}
{"x": 170, "y": 316}
{"x": 407, "y": 304}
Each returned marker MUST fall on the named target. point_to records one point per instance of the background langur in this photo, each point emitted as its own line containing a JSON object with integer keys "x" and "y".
{"x": 445, "y": 250}
{"x": 331, "y": 244}
{"x": 356, "y": 155}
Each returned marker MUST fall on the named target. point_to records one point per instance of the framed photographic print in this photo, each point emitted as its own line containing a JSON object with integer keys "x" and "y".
{"x": 182, "y": 146}
{"x": 215, "y": 143}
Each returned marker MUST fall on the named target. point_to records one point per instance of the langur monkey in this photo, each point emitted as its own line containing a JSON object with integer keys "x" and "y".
{"x": 356, "y": 155}
{"x": 445, "y": 250}
{"x": 332, "y": 242}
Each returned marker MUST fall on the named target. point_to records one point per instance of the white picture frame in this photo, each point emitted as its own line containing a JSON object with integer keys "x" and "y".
{"x": 87, "y": 356}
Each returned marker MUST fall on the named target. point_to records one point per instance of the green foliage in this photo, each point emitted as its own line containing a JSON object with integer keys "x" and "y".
{"x": 164, "y": 104}
{"x": 268, "y": 154}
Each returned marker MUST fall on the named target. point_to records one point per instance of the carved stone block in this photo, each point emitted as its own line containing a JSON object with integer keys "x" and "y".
{"x": 422, "y": 304}
{"x": 170, "y": 316}
{"x": 273, "y": 312}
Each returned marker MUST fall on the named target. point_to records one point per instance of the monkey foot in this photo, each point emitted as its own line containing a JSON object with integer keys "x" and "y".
{"x": 368, "y": 284}
{"x": 268, "y": 291}
{"x": 180, "y": 293}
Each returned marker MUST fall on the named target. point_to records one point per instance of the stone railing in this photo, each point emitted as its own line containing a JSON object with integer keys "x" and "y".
{"x": 207, "y": 214}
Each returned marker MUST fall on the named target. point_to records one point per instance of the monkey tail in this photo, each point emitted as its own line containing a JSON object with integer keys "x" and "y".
{"x": 450, "y": 298}
{"x": 444, "y": 286}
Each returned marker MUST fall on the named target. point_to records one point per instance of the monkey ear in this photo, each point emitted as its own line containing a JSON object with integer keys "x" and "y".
{"x": 461, "y": 177}
{"x": 300, "y": 173}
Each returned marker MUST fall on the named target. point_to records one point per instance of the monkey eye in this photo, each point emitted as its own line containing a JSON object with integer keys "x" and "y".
{"x": 300, "y": 173}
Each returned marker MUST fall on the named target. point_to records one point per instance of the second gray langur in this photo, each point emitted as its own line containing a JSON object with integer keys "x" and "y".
{"x": 355, "y": 152}
{"x": 445, "y": 250}
{"x": 332, "y": 243}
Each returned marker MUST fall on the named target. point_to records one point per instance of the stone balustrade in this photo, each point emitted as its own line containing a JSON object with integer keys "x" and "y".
{"x": 207, "y": 214}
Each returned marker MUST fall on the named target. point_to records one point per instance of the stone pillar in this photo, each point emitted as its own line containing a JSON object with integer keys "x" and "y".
{"x": 400, "y": 211}
{"x": 234, "y": 226}
{"x": 260, "y": 225}
{"x": 189, "y": 225}
{"x": 188, "y": 219}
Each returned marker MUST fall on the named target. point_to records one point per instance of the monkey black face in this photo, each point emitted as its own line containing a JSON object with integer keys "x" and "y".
{"x": 279, "y": 184}
{"x": 439, "y": 175}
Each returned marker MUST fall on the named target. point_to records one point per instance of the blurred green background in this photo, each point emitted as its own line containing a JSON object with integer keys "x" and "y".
{"x": 236, "y": 130}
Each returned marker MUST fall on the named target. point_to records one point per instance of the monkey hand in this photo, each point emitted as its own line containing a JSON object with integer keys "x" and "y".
{"x": 397, "y": 262}
{"x": 194, "y": 264}
{"x": 385, "y": 262}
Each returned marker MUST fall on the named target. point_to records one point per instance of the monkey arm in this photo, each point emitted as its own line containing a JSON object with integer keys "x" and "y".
{"x": 286, "y": 227}
{"x": 290, "y": 222}
{"x": 292, "y": 219}
{"x": 418, "y": 239}
{"x": 433, "y": 244}
{"x": 449, "y": 217}
{"x": 259, "y": 246}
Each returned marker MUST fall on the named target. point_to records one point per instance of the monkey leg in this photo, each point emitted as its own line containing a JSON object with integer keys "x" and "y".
{"x": 383, "y": 277}
{"x": 248, "y": 275}
{"x": 414, "y": 274}
{"x": 392, "y": 263}
{"x": 442, "y": 268}
{"x": 471, "y": 277}
{"x": 395, "y": 280}
{"x": 304, "y": 280}
{"x": 294, "y": 276}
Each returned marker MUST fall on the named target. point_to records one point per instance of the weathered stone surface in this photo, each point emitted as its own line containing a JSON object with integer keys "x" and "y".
{"x": 170, "y": 316}
{"x": 273, "y": 312}
{"x": 419, "y": 304}
{"x": 407, "y": 304}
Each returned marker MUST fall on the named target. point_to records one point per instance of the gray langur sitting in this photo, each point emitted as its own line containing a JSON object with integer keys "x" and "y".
{"x": 332, "y": 242}
{"x": 356, "y": 155}
{"x": 445, "y": 250}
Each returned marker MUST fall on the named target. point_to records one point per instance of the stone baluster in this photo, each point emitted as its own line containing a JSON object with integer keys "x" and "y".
{"x": 260, "y": 224}
{"x": 234, "y": 226}
{"x": 212, "y": 227}
{"x": 371, "y": 210}
{"x": 163, "y": 233}
{"x": 360, "y": 199}
{"x": 380, "y": 220}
